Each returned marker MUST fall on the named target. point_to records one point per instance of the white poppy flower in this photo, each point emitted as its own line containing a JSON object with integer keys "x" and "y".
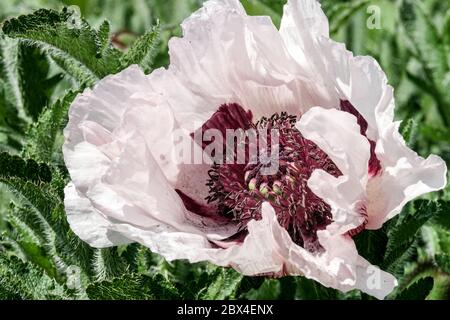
{"x": 343, "y": 166}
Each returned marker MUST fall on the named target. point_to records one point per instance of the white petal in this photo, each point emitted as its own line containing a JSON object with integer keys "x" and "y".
{"x": 227, "y": 56}
{"x": 405, "y": 176}
{"x": 152, "y": 118}
{"x": 302, "y": 24}
{"x": 87, "y": 223}
{"x": 338, "y": 135}
{"x": 372, "y": 280}
{"x": 93, "y": 115}
{"x": 338, "y": 267}
{"x": 113, "y": 135}
{"x": 359, "y": 80}
{"x": 117, "y": 106}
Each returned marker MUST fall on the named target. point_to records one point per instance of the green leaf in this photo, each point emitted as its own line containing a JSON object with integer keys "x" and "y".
{"x": 402, "y": 237}
{"x": 33, "y": 76}
{"x": 443, "y": 261}
{"x": 20, "y": 99}
{"x": 416, "y": 291}
{"x": 308, "y": 289}
{"x": 269, "y": 290}
{"x": 12, "y": 103}
{"x": 108, "y": 263}
{"x": 44, "y": 138}
{"x": 371, "y": 244}
{"x": 224, "y": 285}
{"x": 30, "y": 234}
{"x": 69, "y": 249}
{"x": 22, "y": 280}
{"x": 30, "y": 185}
{"x": 428, "y": 46}
{"x": 259, "y": 8}
{"x": 133, "y": 287}
{"x": 103, "y": 35}
{"x": 342, "y": 12}
{"x": 442, "y": 217}
{"x": 143, "y": 50}
{"x": 69, "y": 40}
{"x": 16, "y": 167}
{"x": 409, "y": 131}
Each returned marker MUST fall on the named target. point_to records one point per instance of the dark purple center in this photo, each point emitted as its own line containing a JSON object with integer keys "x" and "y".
{"x": 237, "y": 190}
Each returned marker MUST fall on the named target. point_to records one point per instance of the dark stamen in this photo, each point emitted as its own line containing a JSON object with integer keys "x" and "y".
{"x": 240, "y": 189}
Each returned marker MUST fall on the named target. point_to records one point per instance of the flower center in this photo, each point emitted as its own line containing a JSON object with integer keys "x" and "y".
{"x": 239, "y": 189}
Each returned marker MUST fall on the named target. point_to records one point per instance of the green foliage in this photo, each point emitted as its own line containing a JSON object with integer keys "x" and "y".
{"x": 143, "y": 50}
{"x": 44, "y": 138}
{"x": 269, "y": 290}
{"x": 225, "y": 285}
{"x": 133, "y": 287}
{"x": 403, "y": 234}
{"x": 372, "y": 244}
{"x": 50, "y": 55}
{"x": 23, "y": 280}
{"x": 310, "y": 290}
{"x": 417, "y": 291}
{"x": 74, "y": 45}
{"x": 16, "y": 167}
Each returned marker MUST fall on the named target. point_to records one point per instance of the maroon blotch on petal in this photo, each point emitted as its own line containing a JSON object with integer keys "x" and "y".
{"x": 374, "y": 162}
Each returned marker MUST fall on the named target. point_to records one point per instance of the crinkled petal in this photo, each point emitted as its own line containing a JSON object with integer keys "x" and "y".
{"x": 405, "y": 176}
{"x": 268, "y": 249}
{"x": 87, "y": 223}
{"x": 226, "y": 56}
{"x": 116, "y": 106}
{"x": 337, "y": 133}
{"x": 111, "y": 154}
{"x": 93, "y": 116}
{"x": 302, "y": 24}
{"x": 362, "y": 82}
{"x": 339, "y": 266}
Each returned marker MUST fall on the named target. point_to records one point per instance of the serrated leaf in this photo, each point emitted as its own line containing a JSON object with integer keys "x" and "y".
{"x": 13, "y": 115}
{"x": 16, "y": 167}
{"x": 428, "y": 46}
{"x": 132, "y": 287}
{"x": 371, "y": 244}
{"x": 108, "y": 264}
{"x": 9, "y": 73}
{"x": 409, "y": 131}
{"x": 35, "y": 84}
{"x": 224, "y": 285}
{"x": 42, "y": 198}
{"x": 69, "y": 40}
{"x": 44, "y": 138}
{"x": 442, "y": 217}
{"x": 403, "y": 234}
{"x": 143, "y": 50}
{"x": 21, "y": 280}
{"x": 269, "y": 290}
{"x": 103, "y": 34}
{"x": 416, "y": 291}
{"x": 308, "y": 289}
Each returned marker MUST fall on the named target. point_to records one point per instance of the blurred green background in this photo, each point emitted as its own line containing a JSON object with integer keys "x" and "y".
{"x": 409, "y": 38}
